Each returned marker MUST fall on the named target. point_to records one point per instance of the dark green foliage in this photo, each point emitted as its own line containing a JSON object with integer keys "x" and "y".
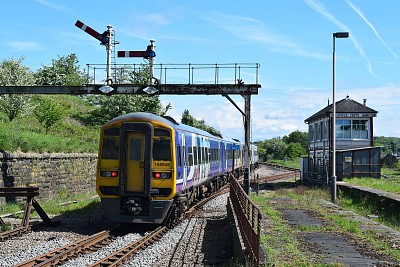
{"x": 271, "y": 149}
{"x": 48, "y": 113}
{"x": 109, "y": 107}
{"x": 390, "y": 145}
{"x": 297, "y": 137}
{"x": 200, "y": 124}
{"x": 291, "y": 147}
{"x": 63, "y": 71}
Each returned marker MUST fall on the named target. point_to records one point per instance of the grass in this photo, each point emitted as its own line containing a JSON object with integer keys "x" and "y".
{"x": 25, "y": 133}
{"x": 56, "y": 206}
{"x": 288, "y": 163}
{"x": 388, "y": 185}
{"x": 12, "y": 138}
{"x": 279, "y": 239}
{"x": 63, "y": 204}
{"x": 281, "y": 236}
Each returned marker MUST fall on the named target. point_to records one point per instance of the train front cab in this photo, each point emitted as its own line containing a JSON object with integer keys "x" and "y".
{"x": 135, "y": 184}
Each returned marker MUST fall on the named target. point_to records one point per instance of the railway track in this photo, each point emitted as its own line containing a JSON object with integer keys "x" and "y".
{"x": 279, "y": 172}
{"x": 57, "y": 256}
{"x": 124, "y": 254}
{"x": 102, "y": 239}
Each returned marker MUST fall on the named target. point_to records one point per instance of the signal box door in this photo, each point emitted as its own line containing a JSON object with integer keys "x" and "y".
{"x": 135, "y": 162}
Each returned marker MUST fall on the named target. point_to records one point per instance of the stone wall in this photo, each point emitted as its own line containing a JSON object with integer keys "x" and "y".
{"x": 55, "y": 174}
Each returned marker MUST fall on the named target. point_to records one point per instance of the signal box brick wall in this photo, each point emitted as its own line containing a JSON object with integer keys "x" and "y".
{"x": 54, "y": 174}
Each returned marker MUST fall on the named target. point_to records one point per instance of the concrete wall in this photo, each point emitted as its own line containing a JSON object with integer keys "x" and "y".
{"x": 54, "y": 174}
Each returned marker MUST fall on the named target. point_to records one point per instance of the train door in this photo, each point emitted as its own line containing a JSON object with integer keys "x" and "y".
{"x": 184, "y": 160}
{"x": 135, "y": 159}
{"x": 135, "y": 162}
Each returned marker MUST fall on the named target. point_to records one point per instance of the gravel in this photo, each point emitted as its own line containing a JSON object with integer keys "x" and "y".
{"x": 31, "y": 245}
{"x": 116, "y": 245}
{"x": 185, "y": 244}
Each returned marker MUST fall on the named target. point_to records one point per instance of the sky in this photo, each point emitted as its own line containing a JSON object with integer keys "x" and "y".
{"x": 291, "y": 40}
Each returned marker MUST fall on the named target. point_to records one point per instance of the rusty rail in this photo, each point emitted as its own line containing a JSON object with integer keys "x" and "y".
{"x": 60, "y": 255}
{"x": 249, "y": 217}
{"x": 29, "y": 193}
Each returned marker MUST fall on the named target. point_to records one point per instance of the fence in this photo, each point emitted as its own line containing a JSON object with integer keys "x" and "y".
{"x": 249, "y": 217}
{"x": 229, "y": 73}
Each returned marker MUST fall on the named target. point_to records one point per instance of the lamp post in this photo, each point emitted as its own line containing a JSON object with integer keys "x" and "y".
{"x": 334, "y": 187}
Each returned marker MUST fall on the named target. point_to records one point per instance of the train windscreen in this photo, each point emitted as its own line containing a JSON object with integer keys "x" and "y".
{"x": 110, "y": 146}
{"x": 162, "y": 145}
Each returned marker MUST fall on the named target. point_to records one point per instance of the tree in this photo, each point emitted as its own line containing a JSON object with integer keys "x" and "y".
{"x": 63, "y": 71}
{"x": 190, "y": 120}
{"x": 12, "y": 72}
{"x": 295, "y": 150}
{"x": 109, "y": 107}
{"x": 297, "y": 137}
{"x": 187, "y": 118}
{"x": 48, "y": 113}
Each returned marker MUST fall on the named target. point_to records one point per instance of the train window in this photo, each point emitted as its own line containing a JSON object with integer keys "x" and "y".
{"x": 178, "y": 152}
{"x": 110, "y": 148}
{"x": 162, "y": 149}
{"x": 195, "y": 154}
{"x": 111, "y": 131}
{"x": 184, "y": 156}
{"x": 161, "y": 132}
{"x": 190, "y": 152}
{"x": 135, "y": 152}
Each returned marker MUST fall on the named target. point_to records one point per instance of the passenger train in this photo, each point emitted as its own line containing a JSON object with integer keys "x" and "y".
{"x": 151, "y": 168}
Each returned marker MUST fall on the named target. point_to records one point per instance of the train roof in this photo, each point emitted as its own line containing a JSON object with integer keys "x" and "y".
{"x": 166, "y": 120}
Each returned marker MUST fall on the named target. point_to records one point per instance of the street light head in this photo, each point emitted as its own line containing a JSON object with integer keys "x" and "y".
{"x": 341, "y": 34}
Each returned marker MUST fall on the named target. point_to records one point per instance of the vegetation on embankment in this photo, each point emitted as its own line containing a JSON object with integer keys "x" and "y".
{"x": 26, "y": 134}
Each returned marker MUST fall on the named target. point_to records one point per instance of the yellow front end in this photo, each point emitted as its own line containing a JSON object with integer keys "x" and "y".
{"x": 138, "y": 183}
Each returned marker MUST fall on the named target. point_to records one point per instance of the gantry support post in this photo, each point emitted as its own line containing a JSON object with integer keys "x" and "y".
{"x": 246, "y": 180}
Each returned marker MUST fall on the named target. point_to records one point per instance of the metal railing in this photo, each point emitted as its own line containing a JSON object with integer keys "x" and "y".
{"x": 249, "y": 218}
{"x": 228, "y": 73}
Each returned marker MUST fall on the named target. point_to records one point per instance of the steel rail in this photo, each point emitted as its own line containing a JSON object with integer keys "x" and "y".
{"x": 61, "y": 254}
{"x": 119, "y": 257}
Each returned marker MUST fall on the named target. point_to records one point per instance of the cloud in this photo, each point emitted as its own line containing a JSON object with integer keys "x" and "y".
{"x": 359, "y": 12}
{"x": 54, "y": 6}
{"x": 24, "y": 46}
{"x": 252, "y": 30}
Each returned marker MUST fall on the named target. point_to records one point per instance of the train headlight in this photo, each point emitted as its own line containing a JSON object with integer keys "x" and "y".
{"x": 162, "y": 175}
{"x": 110, "y": 174}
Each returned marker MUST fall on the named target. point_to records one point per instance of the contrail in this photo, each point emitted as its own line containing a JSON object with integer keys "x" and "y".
{"x": 358, "y": 11}
{"x": 320, "y": 8}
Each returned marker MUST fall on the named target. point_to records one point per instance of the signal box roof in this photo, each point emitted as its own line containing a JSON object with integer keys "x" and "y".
{"x": 346, "y": 105}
